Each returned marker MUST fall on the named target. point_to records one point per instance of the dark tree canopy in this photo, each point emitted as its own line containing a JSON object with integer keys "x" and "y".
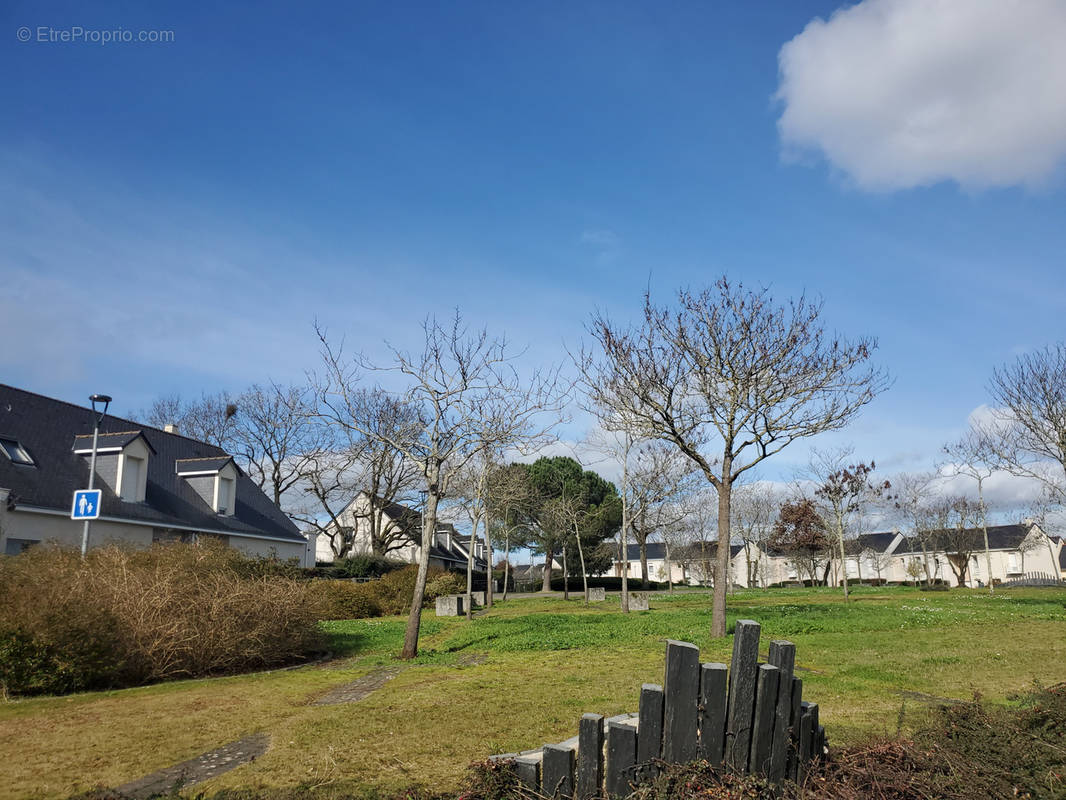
{"x": 564, "y": 495}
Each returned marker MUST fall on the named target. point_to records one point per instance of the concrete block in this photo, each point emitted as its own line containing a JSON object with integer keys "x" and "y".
{"x": 450, "y": 606}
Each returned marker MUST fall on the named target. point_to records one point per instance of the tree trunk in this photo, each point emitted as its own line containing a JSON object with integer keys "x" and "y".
{"x": 429, "y": 526}
{"x": 488, "y": 566}
{"x": 625, "y": 526}
{"x": 721, "y": 583}
{"x": 584, "y": 574}
{"x": 470, "y": 570}
{"x": 566, "y": 576}
{"x": 669, "y": 569}
{"x": 506, "y": 561}
{"x": 642, "y": 537}
{"x": 546, "y": 583}
{"x": 843, "y": 555}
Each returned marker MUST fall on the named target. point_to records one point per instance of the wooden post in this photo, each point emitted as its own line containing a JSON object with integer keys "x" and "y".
{"x": 762, "y": 733}
{"x": 557, "y": 771}
{"x": 712, "y": 713}
{"x": 813, "y": 709}
{"x": 621, "y": 758}
{"x": 803, "y": 757}
{"x": 742, "y": 677}
{"x": 782, "y": 656}
{"x": 527, "y": 768}
{"x": 681, "y": 688}
{"x": 590, "y": 757}
{"x": 793, "y": 727}
{"x": 650, "y": 723}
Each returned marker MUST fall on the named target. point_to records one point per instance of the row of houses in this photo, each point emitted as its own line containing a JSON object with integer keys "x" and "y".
{"x": 160, "y": 486}
{"x": 889, "y": 557}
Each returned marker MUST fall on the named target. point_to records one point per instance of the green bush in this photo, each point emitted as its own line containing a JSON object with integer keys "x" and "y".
{"x": 444, "y": 584}
{"x": 365, "y": 566}
{"x": 608, "y": 582}
{"x": 124, "y": 617}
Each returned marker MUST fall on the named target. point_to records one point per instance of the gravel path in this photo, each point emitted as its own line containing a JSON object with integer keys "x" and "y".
{"x": 198, "y": 769}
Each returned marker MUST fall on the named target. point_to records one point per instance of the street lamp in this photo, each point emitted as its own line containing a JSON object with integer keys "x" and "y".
{"x": 98, "y": 417}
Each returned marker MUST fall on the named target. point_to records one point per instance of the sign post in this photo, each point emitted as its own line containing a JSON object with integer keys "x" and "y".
{"x": 86, "y": 503}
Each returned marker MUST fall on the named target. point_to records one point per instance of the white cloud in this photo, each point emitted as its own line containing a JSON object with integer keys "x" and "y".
{"x": 905, "y": 93}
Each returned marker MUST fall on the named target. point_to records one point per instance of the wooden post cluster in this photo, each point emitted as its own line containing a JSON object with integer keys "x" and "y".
{"x": 749, "y": 717}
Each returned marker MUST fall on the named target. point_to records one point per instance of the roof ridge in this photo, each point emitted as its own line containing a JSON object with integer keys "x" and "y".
{"x": 106, "y": 433}
{"x": 111, "y": 416}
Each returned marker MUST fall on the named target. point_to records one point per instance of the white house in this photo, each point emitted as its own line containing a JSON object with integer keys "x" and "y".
{"x": 156, "y": 485}
{"x": 403, "y": 528}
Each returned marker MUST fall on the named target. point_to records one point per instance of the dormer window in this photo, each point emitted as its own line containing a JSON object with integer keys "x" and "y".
{"x": 16, "y": 452}
{"x": 121, "y": 462}
{"x": 213, "y": 479}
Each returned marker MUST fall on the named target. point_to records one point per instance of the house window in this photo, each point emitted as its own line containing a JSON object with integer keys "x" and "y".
{"x": 16, "y": 452}
{"x": 1014, "y": 563}
{"x": 12, "y": 547}
{"x": 225, "y": 495}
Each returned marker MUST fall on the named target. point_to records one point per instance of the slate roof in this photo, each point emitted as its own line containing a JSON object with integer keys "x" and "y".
{"x": 184, "y": 466}
{"x": 878, "y": 542}
{"x": 1000, "y": 537}
{"x": 410, "y": 521}
{"x": 691, "y": 550}
{"x": 105, "y": 441}
{"x": 47, "y": 428}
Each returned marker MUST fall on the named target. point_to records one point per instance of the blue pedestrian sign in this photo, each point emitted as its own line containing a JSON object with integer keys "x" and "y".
{"x": 86, "y": 504}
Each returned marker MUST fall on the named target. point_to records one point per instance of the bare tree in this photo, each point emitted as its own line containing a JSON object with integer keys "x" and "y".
{"x": 210, "y": 419}
{"x": 270, "y": 430}
{"x": 754, "y": 508}
{"x": 659, "y": 481}
{"x": 382, "y": 470}
{"x": 456, "y": 391}
{"x": 728, "y": 368}
{"x": 960, "y": 538}
{"x": 1030, "y": 400}
{"x": 843, "y": 490}
{"x": 915, "y": 494}
{"x": 275, "y": 435}
{"x": 974, "y": 455}
{"x": 325, "y": 492}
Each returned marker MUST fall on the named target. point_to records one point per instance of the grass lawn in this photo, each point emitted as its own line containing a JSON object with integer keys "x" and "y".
{"x": 545, "y": 663}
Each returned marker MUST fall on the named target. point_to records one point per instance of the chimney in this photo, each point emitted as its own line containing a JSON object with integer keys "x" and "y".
{"x": 170, "y": 427}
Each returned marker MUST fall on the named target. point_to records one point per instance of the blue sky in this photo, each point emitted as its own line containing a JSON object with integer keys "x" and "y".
{"x": 176, "y": 215}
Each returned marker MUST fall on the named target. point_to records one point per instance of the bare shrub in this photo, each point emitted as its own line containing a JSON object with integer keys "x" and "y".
{"x": 125, "y": 617}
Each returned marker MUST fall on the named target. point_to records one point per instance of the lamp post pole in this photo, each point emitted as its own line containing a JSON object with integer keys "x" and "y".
{"x": 98, "y": 417}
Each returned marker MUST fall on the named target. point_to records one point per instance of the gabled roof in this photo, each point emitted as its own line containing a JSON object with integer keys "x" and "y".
{"x": 1000, "y": 537}
{"x": 877, "y": 542}
{"x": 47, "y": 427}
{"x": 193, "y": 466}
{"x": 83, "y": 442}
{"x": 410, "y": 522}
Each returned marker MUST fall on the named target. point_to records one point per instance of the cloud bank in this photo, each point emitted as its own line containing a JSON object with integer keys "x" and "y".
{"x": 903, "y": 93}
